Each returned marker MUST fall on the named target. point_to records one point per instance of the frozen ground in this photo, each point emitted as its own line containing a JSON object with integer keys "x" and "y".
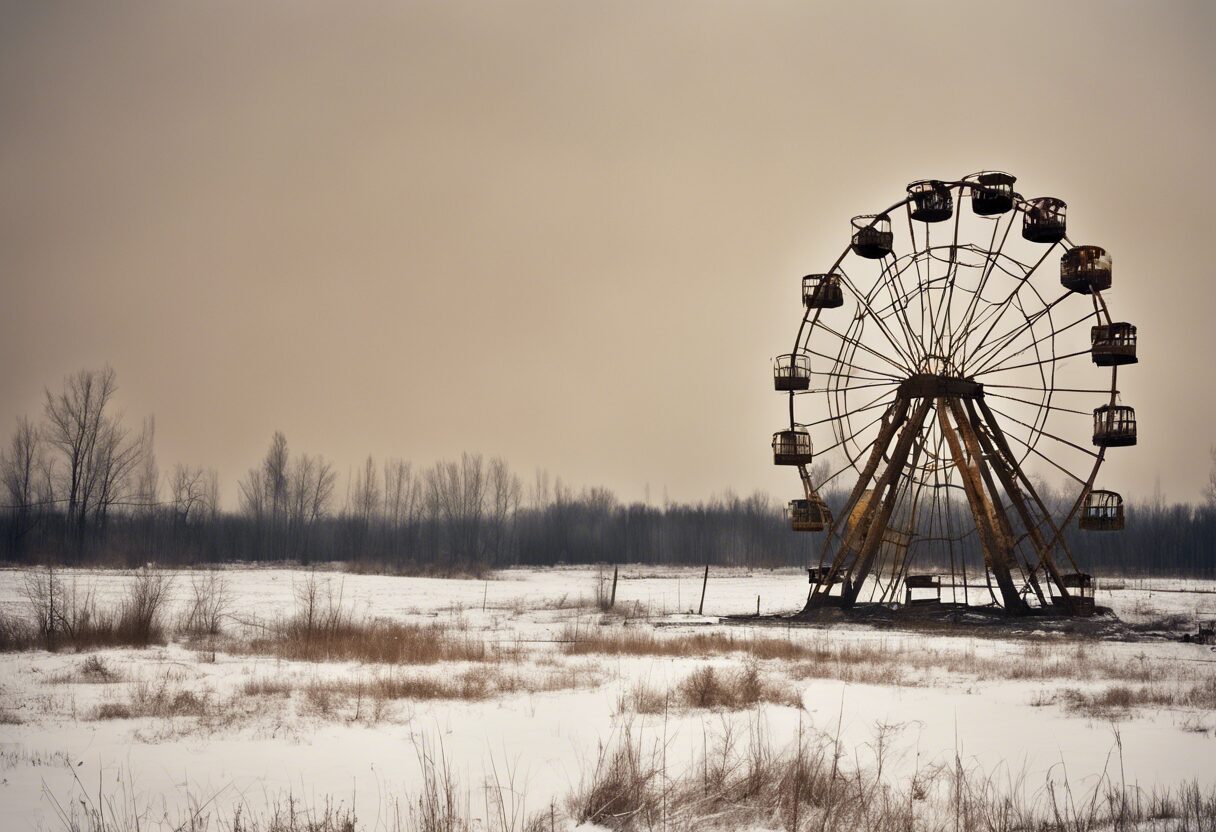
{"x": 930, "y": 697}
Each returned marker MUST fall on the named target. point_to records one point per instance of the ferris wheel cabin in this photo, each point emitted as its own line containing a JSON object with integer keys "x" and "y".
{"x": 809, "y": 515}
{"x": 1085, "y": 269}
{"x": 872, "y": 237}
{"x": 791, "y": 372}
{"x": 932, "y": 201}
{"x": 822, "y": 291}
{"x": 993, "y": 193}
{"x": 1113, "y": 344}
{"x": 1102, "y": 512}
{"x": 1043, "y": 221}
{"x": 792, "y": 447}
{"x": 1114, "y": 426}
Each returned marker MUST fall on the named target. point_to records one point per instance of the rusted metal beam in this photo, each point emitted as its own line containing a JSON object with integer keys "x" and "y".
{"x": 990, "y": 535}
{"x": 889, "y": 482}
{"x": 891, "y": 423}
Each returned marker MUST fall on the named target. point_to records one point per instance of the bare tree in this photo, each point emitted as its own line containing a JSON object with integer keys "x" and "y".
{"x": 310, "y": 489}
{"x": 365, "y": 495}
{"x": 147, "y": 477}
{"x": 400, "y": 493}
{"x": 98, "y": 454}
{"x": 20, "y": 467}
{"x": 455, "y": 500}
{"x": 264, "y": 498}
{"x": 506, "y": 494}
{"x": 188, "y": 487}
{"x": 75, "y": 420}
{"x": 1209, "y": 491}
{"x": 116, "y": 458}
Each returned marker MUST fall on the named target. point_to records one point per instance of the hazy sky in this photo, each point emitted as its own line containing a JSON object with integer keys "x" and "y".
{"x": 569, "y": 233}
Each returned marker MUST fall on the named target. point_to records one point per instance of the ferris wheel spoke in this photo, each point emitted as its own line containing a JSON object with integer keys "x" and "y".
{"x": 856, "y": 342}
{"x": 1041, "y": 363}
{"x": 1006, "y": 339}
{"x": 1041, "y": 432}
{"x": 1003, "y": 307}
{"x": 1060, "y": 408}
{"x": 900, "y": 305}
{"x": 863, "y": 299}
{"x": 878, "y": 401}
{"x": 947, "y": 298}
{"x": 852, "y": 436}
{"x": 991, "y": 260}
{"x": 920, "y": 278}
{"x": 838, "y": 361}
{"x": 849, "y": 388}
{"x": 1032, "y": 449}
{"x": 991, "y": 367}
{"x": 1103, "y": 390}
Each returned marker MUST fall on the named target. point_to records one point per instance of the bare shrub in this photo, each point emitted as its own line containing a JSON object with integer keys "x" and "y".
{"x": 61, "y": 612}
{"x": 141, "y": 612}
{"x": 16, "y": 634}
{"x": 209, "y": 604}
{"x": 643, "y": 699}
{"x": 708, "y": 687}
{"x": 65, "y": 616}
{"x": 92, "y": 670}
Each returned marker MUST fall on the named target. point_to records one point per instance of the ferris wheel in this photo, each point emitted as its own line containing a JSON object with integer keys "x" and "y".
{"x": 941, "y": 378}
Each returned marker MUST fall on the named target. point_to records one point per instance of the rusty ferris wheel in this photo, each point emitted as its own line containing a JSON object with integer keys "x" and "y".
{"x": 940, "y": 378}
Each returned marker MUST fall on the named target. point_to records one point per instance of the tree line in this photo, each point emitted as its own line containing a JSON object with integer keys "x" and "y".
{"x": 82, "y": 486}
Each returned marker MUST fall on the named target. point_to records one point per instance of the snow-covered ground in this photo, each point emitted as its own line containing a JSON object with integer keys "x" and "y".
{"x": 931, "y": 696}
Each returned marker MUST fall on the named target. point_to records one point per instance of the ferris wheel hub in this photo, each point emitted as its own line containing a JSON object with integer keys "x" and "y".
{"x": 933, "y": 386}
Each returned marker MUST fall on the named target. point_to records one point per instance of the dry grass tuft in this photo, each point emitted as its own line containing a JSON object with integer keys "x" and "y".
{"x": 371, "y": 641}
{"x": 624, "y": 790}
{"x": 92, "y": 670}
{"x": 1114, "y": 700}
{"x": 267, "y": 687}
{"x": 635, "y": 642}
{"x": 644, "y": 699}
{"x": 746, "y": 687}
{"x": 158, "y": 698}
{"x": 323, "y": 628}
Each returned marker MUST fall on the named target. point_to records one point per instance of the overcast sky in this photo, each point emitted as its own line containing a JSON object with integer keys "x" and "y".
{"x": 568, "y": 233}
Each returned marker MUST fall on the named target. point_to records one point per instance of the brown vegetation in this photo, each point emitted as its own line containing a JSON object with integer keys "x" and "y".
{"x": 158, "y": 698}
{"x": 66, "y": 617}
{"x": 1116, "y": 699}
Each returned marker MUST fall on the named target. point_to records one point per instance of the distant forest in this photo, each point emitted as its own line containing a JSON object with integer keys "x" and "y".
{"x": 81, "y": 487}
